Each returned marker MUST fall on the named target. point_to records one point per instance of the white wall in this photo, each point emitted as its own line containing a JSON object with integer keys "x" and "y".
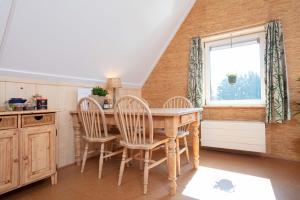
{"x": 60, "y": 96}
{"x": 88, "y": 40}
{"x": 5, "y": 7}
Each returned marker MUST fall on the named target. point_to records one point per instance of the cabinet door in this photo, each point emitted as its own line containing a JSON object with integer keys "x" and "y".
{"x": 9, "y": 163}
{"x": 38, "y": 153}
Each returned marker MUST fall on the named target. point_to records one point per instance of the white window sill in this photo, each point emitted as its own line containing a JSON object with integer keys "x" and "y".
{"x": 235, "y": 106}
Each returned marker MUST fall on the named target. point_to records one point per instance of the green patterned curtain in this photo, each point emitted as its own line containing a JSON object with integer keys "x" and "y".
{"x": 277, "y": 103}
{"x": 195, "y": 73}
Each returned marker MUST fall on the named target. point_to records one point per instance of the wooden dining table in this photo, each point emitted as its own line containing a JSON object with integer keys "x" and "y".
{"x": 168, "y": 119}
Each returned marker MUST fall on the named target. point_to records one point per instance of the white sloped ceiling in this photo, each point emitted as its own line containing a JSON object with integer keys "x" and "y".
{"x": 88, "y": 40}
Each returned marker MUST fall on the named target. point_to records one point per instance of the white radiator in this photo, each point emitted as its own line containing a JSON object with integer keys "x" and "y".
{"x": 238, "y": 135}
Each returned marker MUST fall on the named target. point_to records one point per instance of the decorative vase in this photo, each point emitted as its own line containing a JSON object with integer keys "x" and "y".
{"x": 99, "y": 99}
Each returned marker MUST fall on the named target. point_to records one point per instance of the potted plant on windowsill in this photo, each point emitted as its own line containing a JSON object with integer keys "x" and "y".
{"x": 99, "y": 94}
{"x": 231, "y": 78}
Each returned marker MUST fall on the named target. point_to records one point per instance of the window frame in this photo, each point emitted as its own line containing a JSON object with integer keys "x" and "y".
{"x": 225, "y": 39}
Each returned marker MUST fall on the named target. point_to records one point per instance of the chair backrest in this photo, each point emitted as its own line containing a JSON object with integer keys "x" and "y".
{"x": 179, "y": 102}
{"x": 145, "y": 101}
{"x": 92, "y": 118}
{"x": 134, "y": 120}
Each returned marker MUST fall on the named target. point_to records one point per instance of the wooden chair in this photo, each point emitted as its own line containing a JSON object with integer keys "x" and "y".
{"x": 135, "y": 123}
{"x": 180, "y": 102}
{"x": 93, "y": 121}
{"x": 141, "y": 152}
{"x": 145, "y": 101}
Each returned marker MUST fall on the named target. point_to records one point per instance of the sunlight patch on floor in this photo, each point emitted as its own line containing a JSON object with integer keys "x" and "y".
{"x": 210, "y": 183}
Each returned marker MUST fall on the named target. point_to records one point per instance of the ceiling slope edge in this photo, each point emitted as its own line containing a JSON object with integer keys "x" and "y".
{"x": 165, "y": 46}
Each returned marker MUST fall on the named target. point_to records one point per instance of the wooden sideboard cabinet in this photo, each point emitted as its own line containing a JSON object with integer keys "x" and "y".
{"x": 27, "y": 148}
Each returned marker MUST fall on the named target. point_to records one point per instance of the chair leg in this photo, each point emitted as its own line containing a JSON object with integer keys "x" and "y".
{"x": 146, "y": 171}
{"x": 107, "y": 148}
{"x": 101, "y": 160}
{"x": 141, "y": 159}
{"x": 131, "y": 156}
{"x": 122, "y": 166}
{"x": 186, "y": 150}
{"x": 178, "y": 155}
{"x": 167, "y": 151}
{"x": 150, "y": 154}
{"x": 111, "y": 148}
{"x": 84, "y": 156}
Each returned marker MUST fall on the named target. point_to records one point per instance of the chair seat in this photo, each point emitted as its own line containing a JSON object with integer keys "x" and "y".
{"x": 109, "y": 137}
{"x": 156, "y": 142}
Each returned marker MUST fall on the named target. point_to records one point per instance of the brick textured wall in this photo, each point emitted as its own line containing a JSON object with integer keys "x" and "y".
{"x": 169, "y": 77}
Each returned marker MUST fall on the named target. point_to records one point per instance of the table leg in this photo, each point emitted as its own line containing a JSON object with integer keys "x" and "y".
{"x": 77, "y": 141}
{"x": 77, "y": 137}
{"x": 171, "y": 128}
{"x": 195, "y": 126}
{"x": 172, "y": 164}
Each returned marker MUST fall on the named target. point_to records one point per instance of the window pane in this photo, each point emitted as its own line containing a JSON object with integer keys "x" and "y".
{"x": 235, "y": 72}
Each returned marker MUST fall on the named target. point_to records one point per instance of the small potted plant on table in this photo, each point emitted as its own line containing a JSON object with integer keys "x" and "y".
{"x": 99, "y": 94}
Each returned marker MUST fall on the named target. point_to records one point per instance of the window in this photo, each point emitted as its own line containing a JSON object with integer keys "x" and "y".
{"x": 234, "y": 70}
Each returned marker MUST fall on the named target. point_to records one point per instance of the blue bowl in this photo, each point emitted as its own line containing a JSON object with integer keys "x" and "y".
{"x": 16, "y": 100}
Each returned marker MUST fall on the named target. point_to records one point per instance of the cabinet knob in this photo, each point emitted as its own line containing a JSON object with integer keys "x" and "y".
{"x": 25, "y": 158}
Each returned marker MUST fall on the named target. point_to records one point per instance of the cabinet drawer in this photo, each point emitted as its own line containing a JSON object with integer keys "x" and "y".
{"x": 8, "y": 122}
{"x": 38, "y": 119}
{"x": 185, "y": 119}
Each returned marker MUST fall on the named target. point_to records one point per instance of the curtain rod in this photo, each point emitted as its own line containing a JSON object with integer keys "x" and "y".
{"x": 239, "y": 28}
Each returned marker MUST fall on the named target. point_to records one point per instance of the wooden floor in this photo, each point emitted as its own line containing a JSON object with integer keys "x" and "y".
{"x": 220, "y": 176}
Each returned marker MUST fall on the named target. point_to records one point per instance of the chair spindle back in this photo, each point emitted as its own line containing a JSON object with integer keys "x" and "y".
{"x": 179, "y": 102}
{"x": 92, "y": 117}
{"x": 134, "y": 120}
